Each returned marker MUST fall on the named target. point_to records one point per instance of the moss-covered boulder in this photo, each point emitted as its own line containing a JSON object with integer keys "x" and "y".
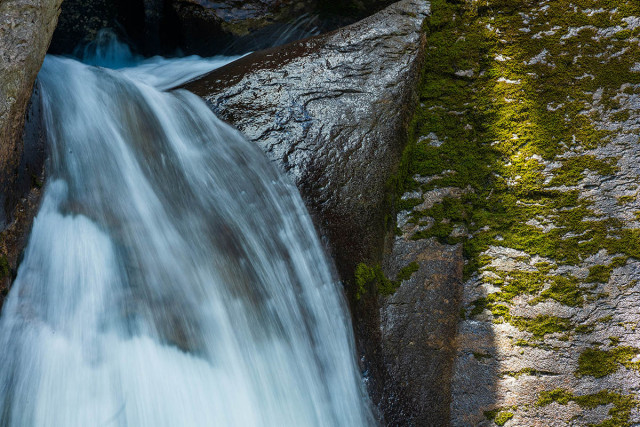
{"x": 333, "y": 112}
{"x": 526, "y": 153}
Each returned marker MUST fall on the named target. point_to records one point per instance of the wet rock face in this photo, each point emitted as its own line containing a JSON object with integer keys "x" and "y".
{"x": 240, "y": 26}
{"x": 331, "y": 111}
{"x": 80, "y": 21}
{"x": 182, "y": 26}
{"x": 237, "y": 26}
{"x": 26, "y": 27}
{"x": 204, "y": 27}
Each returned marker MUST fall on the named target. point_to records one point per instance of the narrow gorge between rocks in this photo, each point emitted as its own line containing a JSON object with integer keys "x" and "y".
{"x": 173, "y": 276}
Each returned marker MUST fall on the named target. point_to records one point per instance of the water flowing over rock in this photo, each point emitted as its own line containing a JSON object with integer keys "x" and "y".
{"x": 26, "y": 27}
{"x": 173, "y": 276}
{"x": 81, "y": 20}
{"x": 333, "y": 112}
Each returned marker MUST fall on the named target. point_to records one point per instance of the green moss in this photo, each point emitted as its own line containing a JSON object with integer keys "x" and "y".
{"x": 364, "y": 275}
{"x": 368, "y": 278}
{"x": 502, "y": 418}
{"x": 524, "y": 343}
{"x": 599, "y": 273}
{"x": 619, "y": 413}
{"x": 565, "y": 290}
{"x": 408, "y": 204}
{"x": 572, "y": 169}
{"x": 542, "y": 325}
{"x": 584, "y": 329}
{"x": 621, "y": 116}
{"x": 406, "y": 272}
{"x": 605, "y": 319}
{"x": 481, "y": 356}
{"x": 623, "y": 200}
{"x": 493, "y": 131}
{"x": 479, "y": 306}
{"x": 558, "y": 395}
{"x": 599, "y": 363}
{"x": 371, "y": 278}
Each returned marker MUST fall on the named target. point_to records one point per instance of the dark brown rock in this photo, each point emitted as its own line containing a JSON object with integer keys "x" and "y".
{"x": 26, "y": 27}
{"x": 207, "y": 27}
{"x": 203, "y": 27}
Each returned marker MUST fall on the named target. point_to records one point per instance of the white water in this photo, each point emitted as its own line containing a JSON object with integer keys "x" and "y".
{"x": 173, "y": 276}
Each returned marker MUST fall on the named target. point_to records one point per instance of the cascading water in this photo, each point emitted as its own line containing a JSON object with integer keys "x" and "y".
{"x": 173, "y": 276}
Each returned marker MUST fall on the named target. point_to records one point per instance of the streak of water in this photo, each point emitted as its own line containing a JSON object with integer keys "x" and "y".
{"x": 173, "y": 276}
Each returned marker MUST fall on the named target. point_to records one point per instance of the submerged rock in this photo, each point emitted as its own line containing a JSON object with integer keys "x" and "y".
{"x": 26, "y": 27}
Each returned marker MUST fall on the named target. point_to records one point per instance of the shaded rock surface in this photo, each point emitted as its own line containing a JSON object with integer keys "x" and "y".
{"x": 238, "y": 26}
{"x": 26, "y": 27}
{"x": 203, "y": 27}
{"x": 242, "y": 26}
{"x": 418, "y": 328}
{"x": 80, "y": 21}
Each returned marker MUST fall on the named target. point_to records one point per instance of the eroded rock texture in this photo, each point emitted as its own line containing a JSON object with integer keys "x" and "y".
{"x": 26, "y": 27}
{"x": 528, "y": 156}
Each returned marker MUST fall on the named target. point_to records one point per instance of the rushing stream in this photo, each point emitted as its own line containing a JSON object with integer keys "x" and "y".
{"x": 173, "y": 276}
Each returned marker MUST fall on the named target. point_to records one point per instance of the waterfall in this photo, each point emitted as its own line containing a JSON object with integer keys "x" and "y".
{"x": 173, "y": 276}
